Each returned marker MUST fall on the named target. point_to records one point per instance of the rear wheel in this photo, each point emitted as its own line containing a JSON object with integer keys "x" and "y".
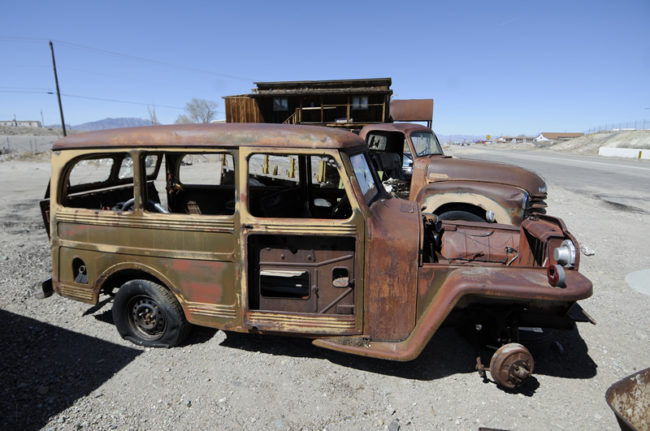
{"x": 147, "y": 314}
{"x": 459, "y": 215}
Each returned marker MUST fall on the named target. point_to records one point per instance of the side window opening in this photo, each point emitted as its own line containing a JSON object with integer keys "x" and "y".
{"x": 296, "y": 186}
{"x": 193, "y": 183}
{"x": 387, "y": 154}
{"x": 101, "y": 182}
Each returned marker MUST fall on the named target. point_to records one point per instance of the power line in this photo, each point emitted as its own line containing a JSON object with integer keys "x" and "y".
{"x": 26, "y": 88}
{"x": 76, "y": 96}
{"x": 26, "y": 92}
{"x": 120, "y": 101}
{"x": 152, "y": 61}
{"x": 130, "y": 57}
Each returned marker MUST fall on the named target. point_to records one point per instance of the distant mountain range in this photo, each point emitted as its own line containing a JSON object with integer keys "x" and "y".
{"x": 111, "y": 123}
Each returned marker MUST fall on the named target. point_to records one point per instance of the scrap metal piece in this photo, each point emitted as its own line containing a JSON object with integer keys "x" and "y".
{"x": 629, "y": 399}
{"x": 511, "y": 365}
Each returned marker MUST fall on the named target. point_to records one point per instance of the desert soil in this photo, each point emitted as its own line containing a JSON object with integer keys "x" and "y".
{"x": 64, "y": 366}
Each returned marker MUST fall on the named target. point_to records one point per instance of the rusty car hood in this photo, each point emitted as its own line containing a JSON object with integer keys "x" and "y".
{"x": 447, "y": 169}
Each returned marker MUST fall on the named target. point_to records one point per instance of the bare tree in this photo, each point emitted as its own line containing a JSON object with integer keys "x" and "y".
{"x": 198, "y": 111}
{"x": 152, "y": 114}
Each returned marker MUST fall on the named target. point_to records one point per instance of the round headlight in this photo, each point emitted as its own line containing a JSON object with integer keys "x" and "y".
{"x": 565, "y": 254}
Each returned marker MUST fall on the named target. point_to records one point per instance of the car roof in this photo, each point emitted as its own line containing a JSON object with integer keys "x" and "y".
{"x": 405, "y": 128}
{"x": 214, "y": 135}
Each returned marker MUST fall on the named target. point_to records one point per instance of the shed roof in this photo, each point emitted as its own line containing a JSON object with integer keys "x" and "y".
{"x": 214, "y": 135}
{"x": 319, "y": 91}
{"x": 330, "y": 83}
{"x": 311, "y": 88}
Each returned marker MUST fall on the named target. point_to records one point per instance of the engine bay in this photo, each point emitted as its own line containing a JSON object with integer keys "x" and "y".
{"x": 465, "y": 242}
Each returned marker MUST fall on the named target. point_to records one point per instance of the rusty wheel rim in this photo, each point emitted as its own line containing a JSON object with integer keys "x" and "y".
{"x": 146, "y": 318}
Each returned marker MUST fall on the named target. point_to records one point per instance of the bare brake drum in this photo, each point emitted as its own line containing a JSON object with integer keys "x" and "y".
{"x": 510, "y": 365}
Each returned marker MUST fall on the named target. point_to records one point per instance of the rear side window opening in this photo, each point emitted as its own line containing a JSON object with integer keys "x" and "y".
{"x": 99, "y": 182}
{"x": 175, "y": 182}
{"x": 201, "y": 183}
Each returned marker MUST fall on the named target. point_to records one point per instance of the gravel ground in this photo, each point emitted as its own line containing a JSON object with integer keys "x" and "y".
{"x": 64, "y": 367}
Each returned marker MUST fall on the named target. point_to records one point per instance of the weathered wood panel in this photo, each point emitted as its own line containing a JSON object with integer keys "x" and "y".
{"x": 242, "y": 109}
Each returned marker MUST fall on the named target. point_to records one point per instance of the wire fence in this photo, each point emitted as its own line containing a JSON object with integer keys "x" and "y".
{"x": 26, "y": 144}
{"x": 624, "y": 125}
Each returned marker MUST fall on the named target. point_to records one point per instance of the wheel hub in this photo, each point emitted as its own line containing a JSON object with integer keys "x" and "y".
{"x": 511, "y": 365}
{"x": 147, "y": 318}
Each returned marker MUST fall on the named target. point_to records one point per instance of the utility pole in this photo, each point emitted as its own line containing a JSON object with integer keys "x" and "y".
{"x": 58, "y": 92}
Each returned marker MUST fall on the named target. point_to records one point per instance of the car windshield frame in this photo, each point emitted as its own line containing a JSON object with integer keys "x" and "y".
{"x": 425, "y": 143}
{"x": 366, "y": 177}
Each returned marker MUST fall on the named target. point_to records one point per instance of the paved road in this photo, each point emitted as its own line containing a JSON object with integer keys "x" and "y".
{"x": 619, "y": 182}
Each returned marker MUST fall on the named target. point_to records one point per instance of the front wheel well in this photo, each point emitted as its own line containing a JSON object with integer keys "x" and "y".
{"x": 459, "y": 206}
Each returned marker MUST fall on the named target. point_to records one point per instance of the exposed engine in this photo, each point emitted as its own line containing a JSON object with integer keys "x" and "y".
{"x": 541, "y": 241}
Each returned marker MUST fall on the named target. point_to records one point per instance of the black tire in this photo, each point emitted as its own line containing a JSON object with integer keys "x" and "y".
{"x": 147, "y": 314}
{"x": 459, "y": 215}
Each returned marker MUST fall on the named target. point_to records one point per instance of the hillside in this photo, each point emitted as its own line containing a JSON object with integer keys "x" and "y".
{"x": 112, "y": 123}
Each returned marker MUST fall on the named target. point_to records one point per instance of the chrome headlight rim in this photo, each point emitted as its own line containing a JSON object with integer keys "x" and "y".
{"x": 566, "y": 254}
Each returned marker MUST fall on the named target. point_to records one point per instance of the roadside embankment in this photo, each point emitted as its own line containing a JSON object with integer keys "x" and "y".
{"x": 617, "y": 144}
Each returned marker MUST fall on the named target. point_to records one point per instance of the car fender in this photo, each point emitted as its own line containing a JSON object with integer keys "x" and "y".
{"x": 507, "y": 202}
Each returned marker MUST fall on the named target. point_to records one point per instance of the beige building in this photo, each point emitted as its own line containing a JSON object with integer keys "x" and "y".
{"x": 554, "y": 136}
{"x": 15, "y": 123}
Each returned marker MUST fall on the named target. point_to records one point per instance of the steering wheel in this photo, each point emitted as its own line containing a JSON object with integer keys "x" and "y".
{"x": 124, "y": 206}
{"x": 129, "y": 204}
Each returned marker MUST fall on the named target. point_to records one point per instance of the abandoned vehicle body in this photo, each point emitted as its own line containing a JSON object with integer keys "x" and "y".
{"x": 283, "y": 229}
{"x": 412, "y": 163}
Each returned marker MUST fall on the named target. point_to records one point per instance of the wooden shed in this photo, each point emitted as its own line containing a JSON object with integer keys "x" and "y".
{"x": 349, "y": 103}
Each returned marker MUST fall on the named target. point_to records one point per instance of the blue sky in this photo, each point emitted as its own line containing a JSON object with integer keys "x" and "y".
{"x": 491, "y": 67}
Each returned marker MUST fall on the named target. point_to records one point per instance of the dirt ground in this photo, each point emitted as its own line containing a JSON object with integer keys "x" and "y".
{"x": 64, "y": 366}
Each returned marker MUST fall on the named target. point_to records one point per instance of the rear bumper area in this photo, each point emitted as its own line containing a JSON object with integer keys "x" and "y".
{"x": 520, "y": 285}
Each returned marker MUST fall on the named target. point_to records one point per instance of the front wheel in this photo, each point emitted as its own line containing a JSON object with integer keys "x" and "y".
{"x": 147, "y": 314}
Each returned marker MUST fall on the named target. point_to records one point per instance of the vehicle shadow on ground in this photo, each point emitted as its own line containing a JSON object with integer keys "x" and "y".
{"x": 563, "y": 353}
{"x": 45, "y": 369}
{"x": 447, "y": 353}
{"x": 558, "y": 353}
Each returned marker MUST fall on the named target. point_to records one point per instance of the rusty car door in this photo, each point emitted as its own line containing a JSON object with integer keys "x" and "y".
{"x": 302, "y": 239}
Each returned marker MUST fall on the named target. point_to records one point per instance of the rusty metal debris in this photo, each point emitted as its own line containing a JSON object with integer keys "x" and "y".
{"x": 629, "y": 398}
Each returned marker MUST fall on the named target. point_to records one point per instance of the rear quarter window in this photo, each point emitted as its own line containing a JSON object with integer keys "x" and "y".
{"x": 103, "y": 182}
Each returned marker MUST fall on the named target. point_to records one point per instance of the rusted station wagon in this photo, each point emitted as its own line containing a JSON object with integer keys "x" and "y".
{"x": 287, "y": 230}
{"x": 412, "y": 163}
